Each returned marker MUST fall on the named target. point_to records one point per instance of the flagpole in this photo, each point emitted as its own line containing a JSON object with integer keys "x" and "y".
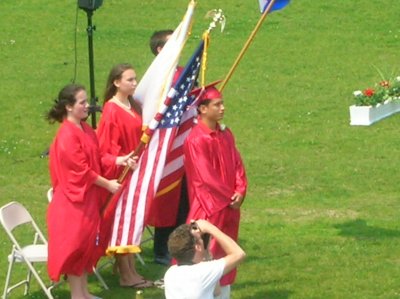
{"x": 137, "y": 152}
{"x": 247, "y": 44}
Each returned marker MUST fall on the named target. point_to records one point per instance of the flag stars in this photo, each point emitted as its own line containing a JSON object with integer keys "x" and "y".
{"x": 181, "y": 97}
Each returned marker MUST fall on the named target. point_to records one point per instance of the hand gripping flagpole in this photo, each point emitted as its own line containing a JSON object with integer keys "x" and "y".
{"x": 247, "y": 44}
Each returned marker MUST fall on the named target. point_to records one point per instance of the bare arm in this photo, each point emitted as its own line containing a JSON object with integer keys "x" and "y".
{"x": 234, "y": 253}
{"x": 111, "y": 185}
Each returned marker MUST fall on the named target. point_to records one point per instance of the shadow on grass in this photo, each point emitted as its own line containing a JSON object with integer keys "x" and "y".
{"x": 277, "y": 294}
{"x": 359, "y": 229}
{"x": 273, "y": 294}
{"x": 261, "y": 293}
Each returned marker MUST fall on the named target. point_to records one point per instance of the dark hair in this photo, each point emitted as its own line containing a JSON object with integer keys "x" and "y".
{"x": 66, "y": 96}
{"x": 203, "y": 103}
{"x": 181, "y": 244}
{"x": 115, "y": 74}
{"x": 158, "y": 39}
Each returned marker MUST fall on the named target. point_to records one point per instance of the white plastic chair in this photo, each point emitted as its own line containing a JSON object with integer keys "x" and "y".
{"x": 95, "y": 270}
{"x": 14, "y": 215}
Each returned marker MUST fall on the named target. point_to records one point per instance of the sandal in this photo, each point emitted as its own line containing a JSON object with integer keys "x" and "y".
{"x": 141, "y": 285}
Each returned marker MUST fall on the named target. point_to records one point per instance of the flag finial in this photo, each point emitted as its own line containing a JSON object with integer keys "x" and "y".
{"x": 218, "y": 18}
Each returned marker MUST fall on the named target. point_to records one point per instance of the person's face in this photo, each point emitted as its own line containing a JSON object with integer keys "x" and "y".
{"x": 214, "y": 111}
{"x": 127, "y": 84}
{"x": 79, "y": 111}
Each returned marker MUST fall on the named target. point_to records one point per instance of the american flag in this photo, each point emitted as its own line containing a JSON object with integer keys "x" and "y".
{"x": 179, "y": 119}
{"x": 150, "y": 92}
{"x": 168, "y": 129}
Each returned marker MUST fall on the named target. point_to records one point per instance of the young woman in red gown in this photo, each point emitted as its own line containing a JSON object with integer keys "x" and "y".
{"x": 119, "y": 132}
{"x": 73, "y": 216}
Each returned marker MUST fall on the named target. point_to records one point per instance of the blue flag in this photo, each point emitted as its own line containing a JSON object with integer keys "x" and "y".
{"x": 279, "y": 4}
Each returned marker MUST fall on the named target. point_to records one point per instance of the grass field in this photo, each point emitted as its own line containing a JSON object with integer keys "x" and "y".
{"x": 321, "y": 215}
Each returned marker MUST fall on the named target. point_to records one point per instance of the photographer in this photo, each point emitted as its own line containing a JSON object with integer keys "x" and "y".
{"x": 194, "y": 276}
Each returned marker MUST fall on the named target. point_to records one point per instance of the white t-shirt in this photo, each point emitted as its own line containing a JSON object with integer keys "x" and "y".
{"x": 196, "y": 281}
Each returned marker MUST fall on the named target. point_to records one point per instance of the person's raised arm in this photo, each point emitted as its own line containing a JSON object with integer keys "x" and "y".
{"x": 234, "y": 253}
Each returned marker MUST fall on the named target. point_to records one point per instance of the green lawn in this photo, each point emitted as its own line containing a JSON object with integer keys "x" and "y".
{"x": 321, "y": 214}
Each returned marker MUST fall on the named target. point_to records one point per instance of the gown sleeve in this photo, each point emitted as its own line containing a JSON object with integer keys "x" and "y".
{"x": 72, "y": 167}
{"x": 109, "y": 142}
{"x": 240, "y": 173}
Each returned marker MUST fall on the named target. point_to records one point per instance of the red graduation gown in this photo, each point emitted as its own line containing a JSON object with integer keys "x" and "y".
{"x": 215, "y": 172}
{"x": 73, "y": 215}
{"x": 119, "y": 133}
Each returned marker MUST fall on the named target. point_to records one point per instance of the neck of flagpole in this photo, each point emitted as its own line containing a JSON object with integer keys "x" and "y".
{"x": 247, "y": 44}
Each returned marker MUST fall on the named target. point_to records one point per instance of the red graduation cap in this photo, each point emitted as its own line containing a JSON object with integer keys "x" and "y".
{"x": 207, "y": 92}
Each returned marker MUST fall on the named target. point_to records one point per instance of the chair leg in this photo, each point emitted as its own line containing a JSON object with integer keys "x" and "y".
{"x": 7, "y": 288}
{"x": 28, "y": 282}
{"x": 100, "y": 278}
{"x": 40, "y": 281}
{"x": 139, "y": 257}
{"x": 150, "y": 232}
{"x": 8, "y": 278}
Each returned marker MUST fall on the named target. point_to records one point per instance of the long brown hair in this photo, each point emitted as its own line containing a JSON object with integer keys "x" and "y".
{"x": 110, "y": 91}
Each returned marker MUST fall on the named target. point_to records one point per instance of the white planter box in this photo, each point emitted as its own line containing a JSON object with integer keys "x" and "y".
{"x": 367, "y": 115}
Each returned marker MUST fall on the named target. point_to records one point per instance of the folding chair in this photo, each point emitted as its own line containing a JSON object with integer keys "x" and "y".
{"x": 95, "y": 271}
{"x": 15, "y": 215}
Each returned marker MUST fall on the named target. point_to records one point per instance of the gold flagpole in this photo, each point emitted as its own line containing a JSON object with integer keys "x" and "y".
{"x": 247, "y": 44}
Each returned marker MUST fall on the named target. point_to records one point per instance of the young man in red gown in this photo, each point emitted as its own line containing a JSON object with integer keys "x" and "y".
{"x": 216, "y": 176}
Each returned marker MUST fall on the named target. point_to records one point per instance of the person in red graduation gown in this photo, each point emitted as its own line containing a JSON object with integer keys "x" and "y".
{"x": 216, "y": 176}
{"x": 119, "y": 132}
{"x": 73, "y": 216}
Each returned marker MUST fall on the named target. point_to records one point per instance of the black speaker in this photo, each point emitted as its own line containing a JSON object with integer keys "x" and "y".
{"x": 90, "y": 4}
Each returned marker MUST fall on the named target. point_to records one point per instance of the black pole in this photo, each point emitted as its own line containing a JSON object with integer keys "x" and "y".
{"x": 93, "y": 99}
{"x": 89, "y": 7}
